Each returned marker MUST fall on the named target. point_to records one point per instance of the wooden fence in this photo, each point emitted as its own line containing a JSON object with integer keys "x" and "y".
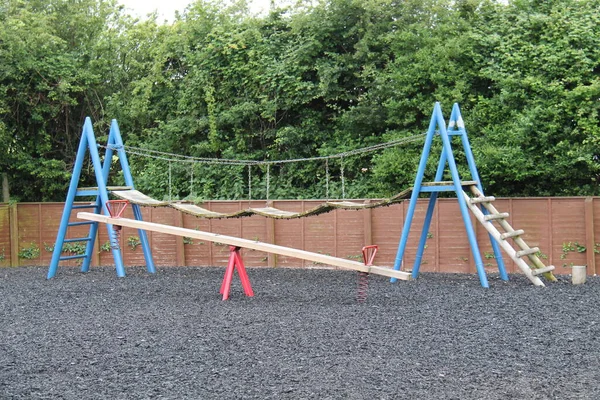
{"x": 564, "y": 228}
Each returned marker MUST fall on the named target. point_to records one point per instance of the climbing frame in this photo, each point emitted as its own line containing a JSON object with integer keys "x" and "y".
{"x": 480, "y": 205}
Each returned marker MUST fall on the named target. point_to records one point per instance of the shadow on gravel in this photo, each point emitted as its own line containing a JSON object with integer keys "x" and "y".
{"x": 303, "y": 336}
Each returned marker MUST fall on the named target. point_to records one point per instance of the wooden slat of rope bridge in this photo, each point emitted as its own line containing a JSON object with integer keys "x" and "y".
{"x": 246, "y": 243}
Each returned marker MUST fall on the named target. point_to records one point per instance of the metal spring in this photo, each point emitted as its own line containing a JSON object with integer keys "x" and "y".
{"x": 363, "y": 286}
{"x": 115, "y": 238}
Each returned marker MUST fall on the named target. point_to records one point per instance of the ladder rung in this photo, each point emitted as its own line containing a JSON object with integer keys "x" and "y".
{"x": 76, "y": 206}
{"x": 540, "y": 271}
{"x": 84, "y": 239}
{"x": 86, "y": 193}
{"x": 448, "y": 183}
{"x": 507, "y": 235}
{"x": 72, "y": 257}
{"x": 79, "y": 223}
{"x": 527, "y": 252}
{"x": 476, "y": 200}
{"x": 491, "y": 217}
{"x": 108, "y": 188}
{"x": 94, "y": 191}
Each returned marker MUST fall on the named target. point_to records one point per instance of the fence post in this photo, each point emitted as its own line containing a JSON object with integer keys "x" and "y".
{"x": 13, "y": 221}
{"x": 271, "y": 258}
{"x": 180, "y": 241}
{"x": 368, "y": 225}
{"x": 590, "y": 242}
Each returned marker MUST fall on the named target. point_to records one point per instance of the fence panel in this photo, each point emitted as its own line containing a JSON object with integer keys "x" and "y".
{"x": 565, "y": 229}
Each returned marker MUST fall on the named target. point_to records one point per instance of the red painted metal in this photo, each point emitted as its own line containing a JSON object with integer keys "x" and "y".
{"x": 369, "y": 253}
{"x": 235, "y": 262}
{"x": 116, "y": 208}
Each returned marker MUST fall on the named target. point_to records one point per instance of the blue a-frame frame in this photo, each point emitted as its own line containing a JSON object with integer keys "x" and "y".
{"x": 101, "y": 170}
{"x": 456, "y": 127}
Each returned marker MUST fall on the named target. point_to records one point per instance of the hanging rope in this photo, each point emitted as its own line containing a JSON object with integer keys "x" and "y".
{"x": 327, "y": 179}
{"x": 170, "y": 186}
{"x": 342, "y": 177}
{"x": 249, "y": 182}
{"x": 193, "y": 196}
{"x": 268, "y": 179}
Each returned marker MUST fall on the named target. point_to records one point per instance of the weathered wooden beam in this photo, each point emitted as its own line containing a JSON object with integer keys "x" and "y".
{"x": 590, "y": 242}
{"x": 13, "y": 219}
{"x": 540, "y": 271}
{"x": 249, "y": 244}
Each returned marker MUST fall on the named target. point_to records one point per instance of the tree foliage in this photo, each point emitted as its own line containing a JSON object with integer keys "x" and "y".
{"x": 315, "y": 79}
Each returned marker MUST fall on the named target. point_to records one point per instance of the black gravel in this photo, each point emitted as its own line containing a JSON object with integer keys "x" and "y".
{"x": 303, "y": 336}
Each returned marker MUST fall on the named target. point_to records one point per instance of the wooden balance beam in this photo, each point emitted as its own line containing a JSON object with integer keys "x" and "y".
{"x": 246, "y": 243}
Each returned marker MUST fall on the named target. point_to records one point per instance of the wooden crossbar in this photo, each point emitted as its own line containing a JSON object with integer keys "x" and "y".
{"x": 246, "y": 243}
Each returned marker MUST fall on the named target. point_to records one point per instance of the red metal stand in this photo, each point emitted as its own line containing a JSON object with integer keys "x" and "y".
{"x": 369, "y": 254}
{"x": 363, "y": 277}
{"x": 235, "y": 261}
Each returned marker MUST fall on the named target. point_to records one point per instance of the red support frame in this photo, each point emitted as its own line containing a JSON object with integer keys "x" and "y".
{"x": 116, "y": 208}
{"x": 235, "y": 261}
{"x": 369, "y": 254}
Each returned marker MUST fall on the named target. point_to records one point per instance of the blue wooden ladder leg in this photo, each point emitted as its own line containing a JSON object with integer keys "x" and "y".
{"x": 416, "y": 190}
{"x": 424, "y": 234}
{"x": 463, "y": 205}
{"x": 89, "y": 247}
{"x": 137, "y": 212}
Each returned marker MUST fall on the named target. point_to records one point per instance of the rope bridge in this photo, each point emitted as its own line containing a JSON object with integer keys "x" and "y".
{"x": 140, "y": 199}
{"x": 137, "y": 197}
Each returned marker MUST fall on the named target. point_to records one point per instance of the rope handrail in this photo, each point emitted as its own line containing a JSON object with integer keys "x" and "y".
{"x": 172, "y": 157}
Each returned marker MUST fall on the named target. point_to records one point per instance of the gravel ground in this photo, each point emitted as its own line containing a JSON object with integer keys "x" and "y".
{"x": 303, "y": 336}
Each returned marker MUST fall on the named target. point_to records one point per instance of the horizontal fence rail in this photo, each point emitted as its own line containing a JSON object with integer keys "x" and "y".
{"x": 564, "y": 228}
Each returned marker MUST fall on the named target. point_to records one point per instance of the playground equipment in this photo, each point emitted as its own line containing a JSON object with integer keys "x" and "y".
{"x": 476, "y": 202}
{"x": 486, "y": 215}
{"x": 112, "y": 219}
{"x": 101, "y": 171}
{"x": 246, "y": 243}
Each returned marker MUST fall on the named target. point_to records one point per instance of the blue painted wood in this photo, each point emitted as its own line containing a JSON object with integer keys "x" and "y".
{"x": 437, "y": 127}
{"x": 429, "y": 215}
{"x": 415, "y": 193}
{"x": 456, "y": 121}
{"x": 101, "y": 172}
{"x": 115, "y": 143}
{"x": 64, "y": 221}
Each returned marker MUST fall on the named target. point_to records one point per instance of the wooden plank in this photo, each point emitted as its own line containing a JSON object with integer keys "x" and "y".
{"x": 477, "y": 200}
{"x": 526, "y": 252}
{"x": 493, "y": 217}
{"x": 245, "y": 243}
{"x": 540, "y": 271}
{"x": 507, "y": 235}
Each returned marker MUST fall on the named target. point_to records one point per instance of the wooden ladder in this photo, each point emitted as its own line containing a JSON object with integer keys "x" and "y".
{"x": 536, "y": 266}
